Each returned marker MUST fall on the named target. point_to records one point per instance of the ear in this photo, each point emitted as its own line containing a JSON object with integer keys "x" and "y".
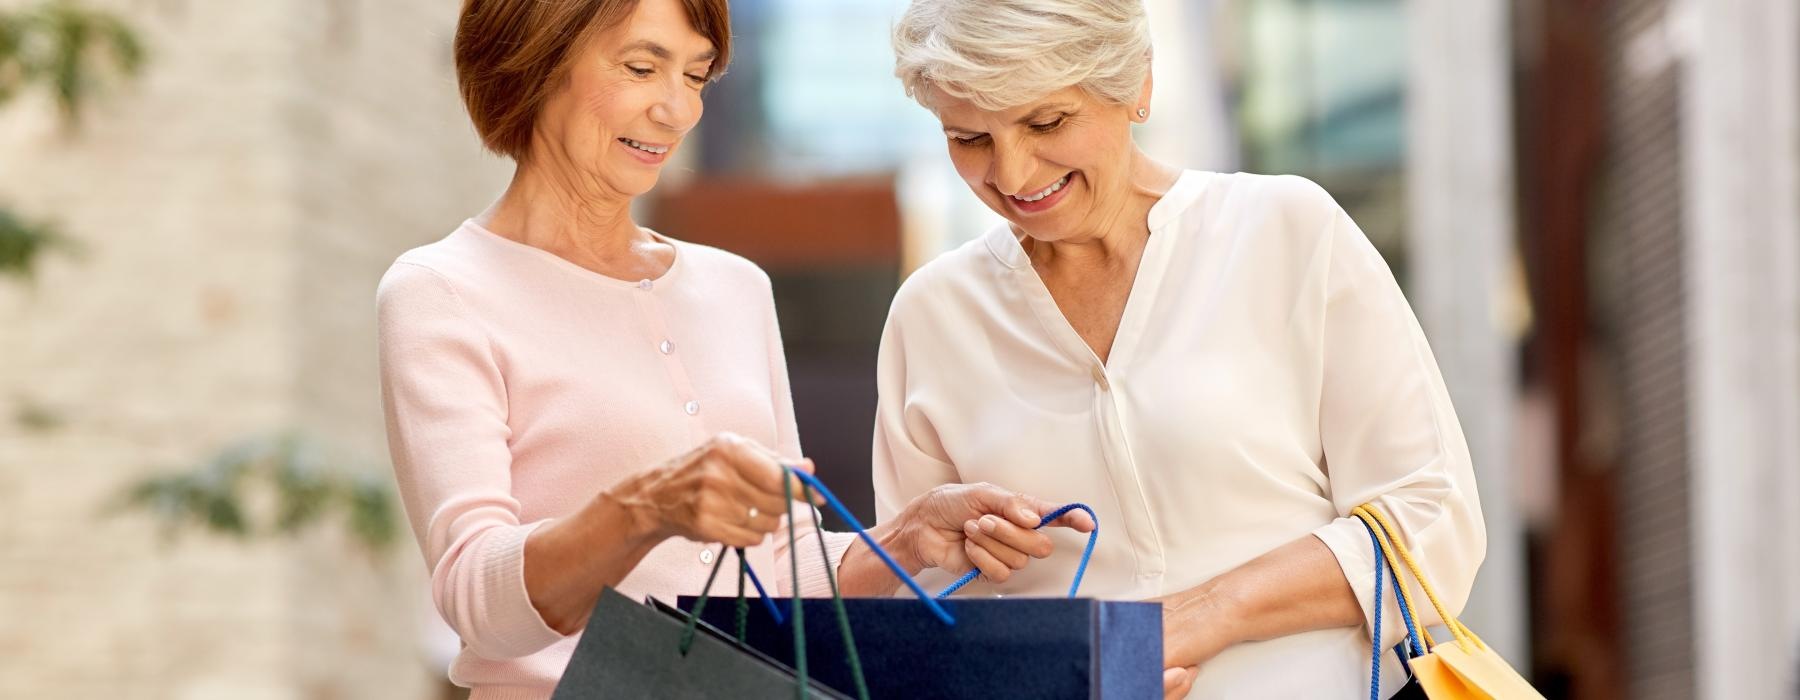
{"x": 1142, "y": 105}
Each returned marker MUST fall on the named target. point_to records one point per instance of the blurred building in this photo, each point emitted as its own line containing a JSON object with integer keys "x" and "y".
{"x": 236, "y": 205}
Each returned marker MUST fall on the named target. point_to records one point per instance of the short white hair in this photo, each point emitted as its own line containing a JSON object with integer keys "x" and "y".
{"x": 1000, "y": 54}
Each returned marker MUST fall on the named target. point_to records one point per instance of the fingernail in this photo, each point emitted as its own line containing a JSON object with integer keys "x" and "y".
{"x": 987, "y": 524}
{"x": 1026, "y": 515}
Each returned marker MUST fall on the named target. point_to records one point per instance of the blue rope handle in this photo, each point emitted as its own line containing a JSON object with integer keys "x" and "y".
{"x": 898, "y": 570}
{"x": 774, "y": 611}
{"x": 1375, "y": 626}
{"x": 1412, "y": 630}
{"x": 1080, "y": 570}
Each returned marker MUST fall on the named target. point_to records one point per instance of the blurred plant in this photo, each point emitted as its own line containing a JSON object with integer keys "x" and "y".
{"x": 66, "y": 48}
{"x": 21, "y": 242}
{"x": 35, "y": 416}
{"x": 214, "y": 496}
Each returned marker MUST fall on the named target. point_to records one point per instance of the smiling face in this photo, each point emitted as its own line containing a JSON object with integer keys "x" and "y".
{"x": 631, "y": 94}
{"x": 1058, "y": 167}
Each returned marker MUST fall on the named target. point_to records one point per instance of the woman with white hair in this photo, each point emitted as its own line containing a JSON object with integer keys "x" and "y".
{"x": 1221, "y": 365}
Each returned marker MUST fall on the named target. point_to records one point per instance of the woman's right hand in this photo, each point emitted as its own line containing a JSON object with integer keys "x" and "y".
{"x": 728, "y": 490}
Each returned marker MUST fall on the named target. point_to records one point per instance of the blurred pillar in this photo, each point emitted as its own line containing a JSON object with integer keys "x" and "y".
{"x": 1742, "y": 141}
{"x": 1460, "y": 239}
{"x": 1190, "y": 125}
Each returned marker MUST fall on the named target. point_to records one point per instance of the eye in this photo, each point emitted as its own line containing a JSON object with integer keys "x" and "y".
{"x": 975, "y": 140}
{"x": 697, "y": 79}
{"x": 1048, "y": 126}
{"x": 640, "y": 71}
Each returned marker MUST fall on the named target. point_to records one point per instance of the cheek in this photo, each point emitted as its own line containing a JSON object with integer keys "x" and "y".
{"x": 972, "y": 165}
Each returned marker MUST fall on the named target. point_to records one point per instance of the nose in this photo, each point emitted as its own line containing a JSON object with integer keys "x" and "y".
{"x": 677, "y": 109}
{"x": 1011, "y": 169}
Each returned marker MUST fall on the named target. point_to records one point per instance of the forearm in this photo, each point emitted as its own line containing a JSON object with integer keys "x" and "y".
{"x": 569, "y": 561}
{"x": 1298, "y": 587}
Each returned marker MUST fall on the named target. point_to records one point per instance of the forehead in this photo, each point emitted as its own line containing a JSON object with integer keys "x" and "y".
{"x": 656, "y": 23}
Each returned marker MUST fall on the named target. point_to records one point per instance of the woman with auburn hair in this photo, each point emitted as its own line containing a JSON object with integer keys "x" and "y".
{"x": 1221, "y": 365}
{"x": 574, "y": 401}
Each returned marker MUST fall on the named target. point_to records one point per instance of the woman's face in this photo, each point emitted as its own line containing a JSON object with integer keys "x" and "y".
{"x": 1058, "y": 168}
{"x": 631, "y": 95}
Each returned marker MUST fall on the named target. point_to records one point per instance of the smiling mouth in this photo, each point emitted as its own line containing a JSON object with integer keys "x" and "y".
{"x": 1047, "y": 191}
{"x": 647, "y": 148}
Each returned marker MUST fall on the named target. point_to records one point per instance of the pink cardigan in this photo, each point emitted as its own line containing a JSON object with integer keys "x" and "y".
{"x": 518, "y": 385}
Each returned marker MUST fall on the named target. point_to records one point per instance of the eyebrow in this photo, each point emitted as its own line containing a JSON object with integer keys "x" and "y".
{"x": 1029, "y": 118}
{"x": 662, "y": 52}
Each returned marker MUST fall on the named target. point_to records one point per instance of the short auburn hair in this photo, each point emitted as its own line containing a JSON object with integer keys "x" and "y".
{"x": 512, "y": 54}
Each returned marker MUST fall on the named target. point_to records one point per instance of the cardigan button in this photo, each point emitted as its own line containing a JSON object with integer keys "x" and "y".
{"x": 692, "y": 407}
{"x": 667, "y": 347}
{"x": 706, "y": 556}
{"x": 645, "y": 285}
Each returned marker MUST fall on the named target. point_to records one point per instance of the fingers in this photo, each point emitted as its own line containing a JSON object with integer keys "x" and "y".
{"x": 760, "y": 467}
{"x": 1178, "y": 681}
{"x": 721, "y": 518}
{"x": 1023, "y": 539}
{"x": 1000, "y": 551}
{"x": 991, "y": 567}
{"x": 1076, "y": 519}
{"x": 1026, "y": 511}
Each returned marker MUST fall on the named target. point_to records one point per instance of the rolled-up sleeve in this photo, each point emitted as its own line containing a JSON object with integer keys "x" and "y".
{"x": 1389, "y": 434}
{"x": 906, "y": 459}
{"x": 445, "y": 406}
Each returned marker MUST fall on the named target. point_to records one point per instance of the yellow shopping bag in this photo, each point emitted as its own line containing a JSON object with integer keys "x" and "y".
{"x": 1461, "y": 668}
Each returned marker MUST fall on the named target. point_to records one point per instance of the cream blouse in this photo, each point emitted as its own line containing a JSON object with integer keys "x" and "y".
{"x": 1267, "y": 377}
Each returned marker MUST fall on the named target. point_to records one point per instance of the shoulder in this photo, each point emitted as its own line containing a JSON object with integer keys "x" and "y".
{"x": 959, "y": 278}
{"x": 431, "y": 271}
{"x": 719, "y": 265}
{"x": 1289, "y": 199}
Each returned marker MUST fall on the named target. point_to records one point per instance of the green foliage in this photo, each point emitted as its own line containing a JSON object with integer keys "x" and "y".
{"x": 65, "y": 48}
{"x": 213, "y": 496}
{"x": 21, "y": 243}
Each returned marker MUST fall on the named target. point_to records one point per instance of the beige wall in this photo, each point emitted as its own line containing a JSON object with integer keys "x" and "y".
{"x": 238, "y": 204}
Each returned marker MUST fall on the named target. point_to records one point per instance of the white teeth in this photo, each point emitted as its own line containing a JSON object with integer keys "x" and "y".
{"x": 659, "y": 150}
{"x": 1047, "y": 191}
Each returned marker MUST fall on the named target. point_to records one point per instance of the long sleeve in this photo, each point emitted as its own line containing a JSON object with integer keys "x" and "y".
{"x": 813, "y": 581}
{"x": 1389, "y": 433}
{"x": 446, "y": 418}
{"x": 906, "y": 460}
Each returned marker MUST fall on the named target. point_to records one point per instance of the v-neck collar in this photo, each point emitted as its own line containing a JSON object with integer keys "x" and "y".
{"x": 1006, "y": 249}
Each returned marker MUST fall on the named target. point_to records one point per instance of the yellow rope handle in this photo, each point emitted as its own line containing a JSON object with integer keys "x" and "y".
{"x": 1456, "y": 627}
{"x": 1393, "y": 563}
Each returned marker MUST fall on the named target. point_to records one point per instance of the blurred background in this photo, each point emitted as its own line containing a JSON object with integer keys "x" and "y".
{"x": 1594, "y": 207}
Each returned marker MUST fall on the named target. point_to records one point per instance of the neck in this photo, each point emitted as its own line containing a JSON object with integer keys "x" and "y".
{"x": 554, "y": 206}
{"x": 1119, "y": 229}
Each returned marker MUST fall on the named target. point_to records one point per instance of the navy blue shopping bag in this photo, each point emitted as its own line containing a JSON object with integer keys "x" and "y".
{"x": 928, "y": 648}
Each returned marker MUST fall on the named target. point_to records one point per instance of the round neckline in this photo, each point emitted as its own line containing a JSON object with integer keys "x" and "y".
{"x": 647, "y": 284}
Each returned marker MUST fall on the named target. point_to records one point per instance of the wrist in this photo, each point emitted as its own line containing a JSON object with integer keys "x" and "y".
{"x": 1203, "y": 621}
{"x": 861, "y": 572}
{"x": 627, "y": 511}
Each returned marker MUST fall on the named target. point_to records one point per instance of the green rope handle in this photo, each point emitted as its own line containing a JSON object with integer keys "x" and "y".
{"x": 787, "y": 491}
{"x": 837, "y": 601}
{"x": 743, "y": 603}
{"x": 687, "y": 631}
